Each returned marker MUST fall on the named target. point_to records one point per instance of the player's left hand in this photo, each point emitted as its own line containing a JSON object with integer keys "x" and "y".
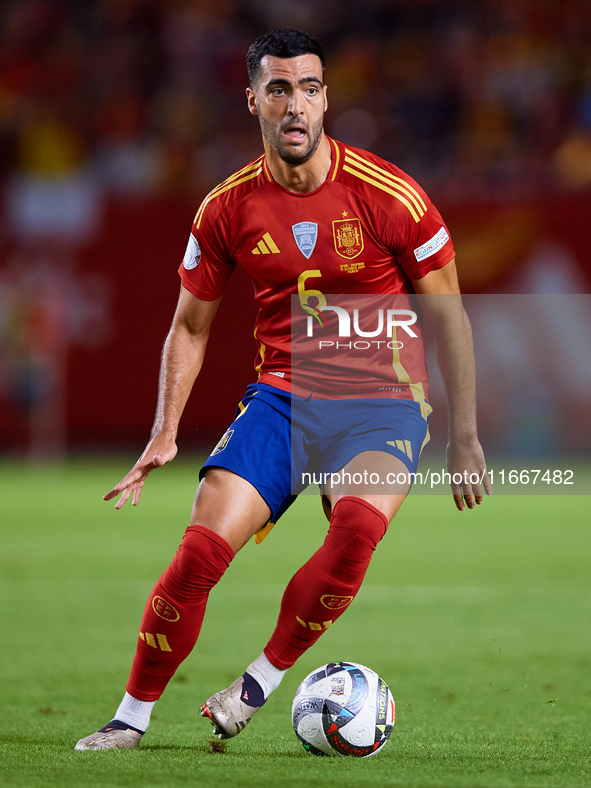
{"x": 465, "y": 459}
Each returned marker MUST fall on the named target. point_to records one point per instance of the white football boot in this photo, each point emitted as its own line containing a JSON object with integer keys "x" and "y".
{"x": 111, "y": 738}
{"x": 228, "y": 712}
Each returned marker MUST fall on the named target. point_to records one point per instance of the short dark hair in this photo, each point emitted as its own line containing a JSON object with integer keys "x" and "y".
{"x": 283, "y": 42}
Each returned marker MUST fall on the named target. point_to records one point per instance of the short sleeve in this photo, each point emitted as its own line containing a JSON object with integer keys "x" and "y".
{"x": 424, "y": 242}
{"x": 207, "y": 266}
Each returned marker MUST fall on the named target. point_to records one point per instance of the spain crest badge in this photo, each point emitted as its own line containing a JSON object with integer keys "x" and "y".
{"x": 348, "y": 238}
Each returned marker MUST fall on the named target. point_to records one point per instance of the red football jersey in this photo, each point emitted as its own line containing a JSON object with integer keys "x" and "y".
{"x": 368, "y": 229}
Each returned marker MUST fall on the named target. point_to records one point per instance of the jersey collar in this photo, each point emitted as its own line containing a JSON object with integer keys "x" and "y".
{"x": 336, "y": 160}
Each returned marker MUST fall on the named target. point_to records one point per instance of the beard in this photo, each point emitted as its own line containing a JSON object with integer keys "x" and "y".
{"x": 296, "y": 155}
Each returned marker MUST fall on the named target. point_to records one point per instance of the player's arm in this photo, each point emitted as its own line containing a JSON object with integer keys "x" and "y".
{"x": 182, "y": 357}
{"x": 441, "y": 302}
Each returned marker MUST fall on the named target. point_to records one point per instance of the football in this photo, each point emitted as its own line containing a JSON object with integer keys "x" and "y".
{"x": 343, "y": 709}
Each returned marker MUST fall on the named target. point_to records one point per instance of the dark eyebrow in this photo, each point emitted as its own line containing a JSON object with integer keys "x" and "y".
{"x": 286, "y": 82}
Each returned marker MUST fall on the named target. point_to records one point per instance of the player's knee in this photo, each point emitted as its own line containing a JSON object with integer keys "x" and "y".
{"x": 358, "y": 517}
{"x": 198, "y": 565}
{"x": 356, "y": 527}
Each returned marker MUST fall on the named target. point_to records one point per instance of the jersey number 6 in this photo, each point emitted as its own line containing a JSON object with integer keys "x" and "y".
{"x": 304, "y": 294}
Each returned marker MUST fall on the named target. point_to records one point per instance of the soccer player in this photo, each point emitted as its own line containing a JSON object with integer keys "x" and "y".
{"x": 309, "y": 217}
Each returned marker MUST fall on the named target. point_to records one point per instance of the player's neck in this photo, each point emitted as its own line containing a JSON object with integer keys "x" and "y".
{"x": 301, "y": 178}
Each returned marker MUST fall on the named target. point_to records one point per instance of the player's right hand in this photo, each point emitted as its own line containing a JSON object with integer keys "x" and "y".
{"x": 160, "y": 450}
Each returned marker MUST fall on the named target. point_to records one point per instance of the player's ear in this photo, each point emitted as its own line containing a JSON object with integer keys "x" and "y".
{"x": 251, "y": 97}
{"x": 325, "y": 97}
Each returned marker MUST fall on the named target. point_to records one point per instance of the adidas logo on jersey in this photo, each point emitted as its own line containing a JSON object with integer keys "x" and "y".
{"x": 266, "y": 246}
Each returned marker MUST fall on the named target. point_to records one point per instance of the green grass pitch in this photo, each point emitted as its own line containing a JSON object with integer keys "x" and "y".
{"x": 478, "y": 621}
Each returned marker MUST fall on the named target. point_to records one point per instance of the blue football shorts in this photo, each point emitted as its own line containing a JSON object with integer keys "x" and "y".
{"x": 277, "y": 439}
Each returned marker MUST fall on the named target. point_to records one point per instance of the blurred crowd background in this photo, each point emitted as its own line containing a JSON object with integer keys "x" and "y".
{"x": 472, "y": 96}
{"x": 118, "y": 116}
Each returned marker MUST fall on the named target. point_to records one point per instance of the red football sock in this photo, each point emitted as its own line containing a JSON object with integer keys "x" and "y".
{"x": 324, "y": 587}
{"x": 175, "y": 609}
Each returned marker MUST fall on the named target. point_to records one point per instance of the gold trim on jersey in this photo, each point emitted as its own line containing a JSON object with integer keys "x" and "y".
{"x": 337, "y": 159}
{"x": 401, "y": 373}
{"x": 391, "y": 184}
{"x": 418, "y": 394}
{"x": 416, "y": 389}
{"x": 262, "y": 348}
{"x": 245, "y": 174}
{"x": 233, "y": 177}
{"x": 266, "y": 170}
{"x": 386, "y": 176}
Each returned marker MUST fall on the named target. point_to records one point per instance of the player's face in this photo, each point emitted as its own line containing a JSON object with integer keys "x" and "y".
{"x": 290, "y": 101}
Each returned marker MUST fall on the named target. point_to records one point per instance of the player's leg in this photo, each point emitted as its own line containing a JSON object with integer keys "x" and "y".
{"x": 227, "y": 511}
{"x": 247, "y": 477}
{"x": 368, "y": 465}
{"x": 325, "y": 586}
{"x": 319, "y": 592}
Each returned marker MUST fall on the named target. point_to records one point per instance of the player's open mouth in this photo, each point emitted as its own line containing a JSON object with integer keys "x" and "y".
{"x": 295, "y": 133}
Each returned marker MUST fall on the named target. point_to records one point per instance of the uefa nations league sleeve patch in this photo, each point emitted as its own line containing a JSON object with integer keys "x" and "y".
{"x": 433, "y": 245}
{"x": 192, "y": 256}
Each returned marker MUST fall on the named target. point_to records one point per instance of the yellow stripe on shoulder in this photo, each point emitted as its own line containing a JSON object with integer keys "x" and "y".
{"x": 248, "y": 168}
{"x": 384, "y": 188}
{"x": 235, "y": 178}
{"x": 245, "y": 174}
{"x": 386, "y": 176}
